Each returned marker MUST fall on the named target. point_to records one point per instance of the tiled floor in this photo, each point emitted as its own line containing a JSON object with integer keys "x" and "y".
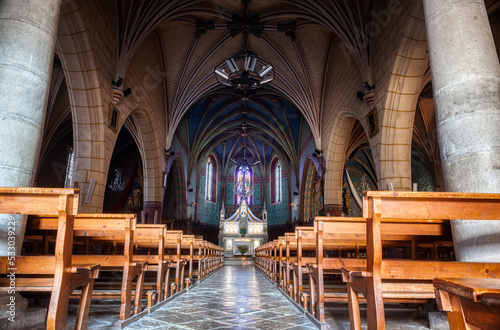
{"x": 241, "y": 297}
{"x": 235, "y": 297}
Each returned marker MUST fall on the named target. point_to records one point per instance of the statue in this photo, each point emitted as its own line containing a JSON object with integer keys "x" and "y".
{"x": 117, "y": 184}
{"x": 134, "y": 201}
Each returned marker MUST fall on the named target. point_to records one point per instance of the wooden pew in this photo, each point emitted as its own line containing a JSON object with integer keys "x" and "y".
{"x": 291, "y": 248}
{"x": 147, "y": 238}
{"x": 275, "y": 261}
{"x": 410, "y": 213}
{"x": 198, "y": 259}
{"x": 268, "y": 259}
{"x": 469, "y": 302}
{"x": 334, "y": 234}
{"x": 66, "y": 276}
{"x": 346, "y": 237}
{"x": 93, "y": 229}
{"x": 281, "y": 248}
{"x": 187, "y": 247}
{"x": 173, "y": 239}
{"x": 306, "y": 241}
{"x": 259, "y": 257}
{"x": 219, "y": 257}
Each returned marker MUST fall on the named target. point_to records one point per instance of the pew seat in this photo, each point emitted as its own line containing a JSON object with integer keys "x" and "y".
{"x": 469, "y": 302}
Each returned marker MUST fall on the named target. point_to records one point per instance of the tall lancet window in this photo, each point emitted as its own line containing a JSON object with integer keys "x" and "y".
{"x": 243, "y": 184}
{"x": 276, "y": 183}
{"x": 210, "y": 180}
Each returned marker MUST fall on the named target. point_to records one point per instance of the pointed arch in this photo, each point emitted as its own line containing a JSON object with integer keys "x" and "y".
{"x": 74, "y": 49}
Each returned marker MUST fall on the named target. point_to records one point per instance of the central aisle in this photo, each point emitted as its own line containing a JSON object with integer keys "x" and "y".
{"x": 235, "y": 297}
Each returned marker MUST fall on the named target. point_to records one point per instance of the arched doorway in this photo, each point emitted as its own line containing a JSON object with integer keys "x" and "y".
{"x": 124, "y": 185}
{"x": 174, "y": 199}
{"x": 311, "y": 202}
{"x": 359, "y": 172}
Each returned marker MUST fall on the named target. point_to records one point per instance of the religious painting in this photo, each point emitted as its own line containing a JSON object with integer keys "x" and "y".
{"x": 113, "y": 117}
{"x": 243, "y": 184}
{"x": 372, "y": 119}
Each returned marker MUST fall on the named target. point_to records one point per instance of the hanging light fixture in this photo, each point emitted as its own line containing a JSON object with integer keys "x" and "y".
{"x": 245, "y": 70}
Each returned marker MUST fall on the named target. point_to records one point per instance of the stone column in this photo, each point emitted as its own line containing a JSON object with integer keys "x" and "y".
{"x": 28, "y": 31}
{"x": 466, "y": 82}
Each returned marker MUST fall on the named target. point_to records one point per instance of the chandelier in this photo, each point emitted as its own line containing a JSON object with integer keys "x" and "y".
{"x": 245, "y": 70}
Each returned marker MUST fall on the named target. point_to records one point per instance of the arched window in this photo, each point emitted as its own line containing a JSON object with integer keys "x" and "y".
{"x": 243, "y": 184}
{"x": 276, "y": 182}
{"x": 210, "y": 179}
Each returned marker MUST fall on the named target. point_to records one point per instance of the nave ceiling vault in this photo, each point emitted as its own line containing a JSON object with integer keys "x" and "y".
{"x": 299, "y": 61}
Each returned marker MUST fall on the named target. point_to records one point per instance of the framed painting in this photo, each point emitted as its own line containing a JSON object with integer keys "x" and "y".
{"x": 113, "y": 115}
{"x": 372, "y": 120}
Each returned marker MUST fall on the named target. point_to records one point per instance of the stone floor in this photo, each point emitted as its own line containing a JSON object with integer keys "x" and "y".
{"x": 235, "y": 297}
{"x": 241, "y": 297}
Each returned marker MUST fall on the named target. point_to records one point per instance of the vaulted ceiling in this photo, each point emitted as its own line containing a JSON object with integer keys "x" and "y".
{"x": 236, "y": 126}
{"x": 295, "y": 38}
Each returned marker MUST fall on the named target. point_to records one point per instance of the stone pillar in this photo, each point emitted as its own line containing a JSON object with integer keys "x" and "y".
{"x": 466, "y": 83}
{"x": 28, "y": 31}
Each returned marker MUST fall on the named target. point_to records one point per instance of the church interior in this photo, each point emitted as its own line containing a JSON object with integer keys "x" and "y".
{"x": 208, "y": 149}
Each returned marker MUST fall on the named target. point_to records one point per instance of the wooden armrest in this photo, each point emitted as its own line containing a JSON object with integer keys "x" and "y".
{"x": 470, "y": 288}
{"x": 83, "y": 268}
{"x": 142, "y": 264}
{"x": 353, "y": 272}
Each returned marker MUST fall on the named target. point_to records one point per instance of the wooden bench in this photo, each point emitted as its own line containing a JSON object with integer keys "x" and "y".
{"x": 280, "y": 248}
{"x": 306, "y": 241}
{"x": 187, "y": 247}
{"x": 267, "y": 259}
{"x": 333, "y": 234}
{"x": 198, "y": 258}
{"x": 260, "y": 257}
{"x": 173, "y": 239}
{"x": 469, "y": 302}
{"x": 289, "y": 259}
{"x": 94, "y": 229}
{"x": 275, "y": 261}
{"x": 410, "y": 213}
{"x": 149, "y": 242}
{"x": 65, "y": 276}
{"x": 345, "y": 238}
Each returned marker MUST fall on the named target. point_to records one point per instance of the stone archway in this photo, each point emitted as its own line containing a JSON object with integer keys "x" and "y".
{"x": 174, "y": 199}
{"x": 140, "y": 123}
{"x": 82, "y": 78}
{"x": 335, "y": 159}
{"x": 310, "y": 206}
{"x": 392, "y": 146}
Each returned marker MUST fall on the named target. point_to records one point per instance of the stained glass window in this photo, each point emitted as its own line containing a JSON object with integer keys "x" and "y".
{"x": 243, "y": 183}
{"x": 277, "y": 182}
{"x": 68, "y": 181}
{"x": 209, "y": 179}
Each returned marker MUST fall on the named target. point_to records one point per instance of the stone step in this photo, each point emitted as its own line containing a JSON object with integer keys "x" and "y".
{"x": 239, "y": 261}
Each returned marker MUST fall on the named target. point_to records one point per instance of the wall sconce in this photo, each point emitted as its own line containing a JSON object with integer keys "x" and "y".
{"x": 317, "y": 153}
{"x": 369, "y": 96}
{"x": 117, "y": 83}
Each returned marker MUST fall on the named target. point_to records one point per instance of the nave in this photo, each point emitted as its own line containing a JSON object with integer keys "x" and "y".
{"x": 241, "y": 297}
{"x": 235, "y": 297}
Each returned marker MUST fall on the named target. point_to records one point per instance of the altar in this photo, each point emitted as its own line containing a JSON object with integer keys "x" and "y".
{"x": 242, "y": 232}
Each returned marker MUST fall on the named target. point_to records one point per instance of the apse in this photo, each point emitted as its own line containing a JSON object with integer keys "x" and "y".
{"x": 245, "y": 135}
